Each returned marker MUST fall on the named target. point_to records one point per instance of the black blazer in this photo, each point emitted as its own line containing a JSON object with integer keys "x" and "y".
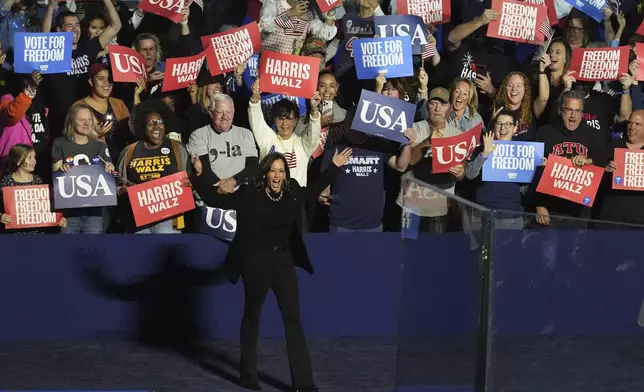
{"x": 244, "y": 201}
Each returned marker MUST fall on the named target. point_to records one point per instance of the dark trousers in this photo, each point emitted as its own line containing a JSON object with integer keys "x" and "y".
{"x": 275, "y": 270}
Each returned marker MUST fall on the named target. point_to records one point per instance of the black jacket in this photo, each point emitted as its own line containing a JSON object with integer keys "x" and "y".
{"x": 245, "y": 202}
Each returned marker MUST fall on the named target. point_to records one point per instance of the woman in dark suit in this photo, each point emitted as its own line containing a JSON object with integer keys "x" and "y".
{"x": 267, "y": 245}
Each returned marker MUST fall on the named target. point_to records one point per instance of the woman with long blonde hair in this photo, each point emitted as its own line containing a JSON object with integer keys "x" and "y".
{"x": 464, "y": 102}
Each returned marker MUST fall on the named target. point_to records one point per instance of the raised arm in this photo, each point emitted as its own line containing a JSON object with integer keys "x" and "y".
{"x": 264, "y": 135}
{"x": 113, "y": 28}
{"x": 462, "y": 31}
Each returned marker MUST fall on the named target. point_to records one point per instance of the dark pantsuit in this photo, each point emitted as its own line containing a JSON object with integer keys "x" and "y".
{"x": 275, "y": 270}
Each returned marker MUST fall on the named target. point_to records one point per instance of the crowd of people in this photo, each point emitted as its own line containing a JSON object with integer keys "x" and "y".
{"x": 140, "y": 133}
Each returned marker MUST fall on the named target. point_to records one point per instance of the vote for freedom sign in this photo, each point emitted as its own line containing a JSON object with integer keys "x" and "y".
{"x": 170, "y": 9}
{"x": 383, "y": 116}
{"x": 448, "y": 152}
{"x": 431, "y": 11}
{"x": 577, "y": 184}
{"x": 183, "y": 71}
{"x": 403, "y": 26}
{"x": 84, "y": 186}
{"x": 225, "y": 51}
{"x": 281, "y": 73}
{"x": 391, "y": 56}
{"x": 513, "y": 161}
{"x": 518, "y": 21}
{"x": 127, "y": 64}
{"x": 598, "y": 65}
{"x": 29, "y": 206}
{"x": 48, "y": 53}
{"x": 159, "y": 199}
{"x": 629, "y": 174}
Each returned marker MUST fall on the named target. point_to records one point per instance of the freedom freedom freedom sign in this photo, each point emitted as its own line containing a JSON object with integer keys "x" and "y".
{"x": 430, "y": 11}
{"x": 84, "y": 186}
{"x": 391, "y": 56}
{"x": 383, "y": 116}
{"x": 513, "y": 161}
{"x": 597, "y": 65}
{"x": 563, "y": 180}
{"x": 225, "y": 51}
{"x": 218, "y": 223}
{"x": 29, "y": 206}
{"x": 48, "y": 53}
{"x": 518, "y": 21}
{"x": 629, "y": 174}
{"x": 159, "y": 199}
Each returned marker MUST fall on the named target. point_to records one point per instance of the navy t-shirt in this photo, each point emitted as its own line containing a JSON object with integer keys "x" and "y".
{"x": 358, "y": 192}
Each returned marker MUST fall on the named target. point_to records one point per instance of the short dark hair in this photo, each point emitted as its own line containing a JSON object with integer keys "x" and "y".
{"x": 60, "y": 18}
{"x": 284, "y": 108}
{"x": 144, "y": 109}
{"x": 507, "y": 112}
{"x": 265, "y": 166}
{"x": 326, "y": 72}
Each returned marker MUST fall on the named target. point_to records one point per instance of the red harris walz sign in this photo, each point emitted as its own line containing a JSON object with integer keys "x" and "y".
{"x": 170, "y": 9}
{"x": 225, "y": 51}
{"x": 281, "y": 73}
{"x": 431, "y": 11}
{"x": 156, "y": 200}
{"x": 127, "y": 64}
{"x": 577, "y": 184}
{"x": 181, "y": 72}
{"x": 448, "y": 152}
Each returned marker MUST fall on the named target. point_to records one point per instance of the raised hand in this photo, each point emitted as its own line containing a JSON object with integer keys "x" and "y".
{"x": 196, "y": 165}
{"x": 488, "y": 144}
{"x": 341, "y": 159}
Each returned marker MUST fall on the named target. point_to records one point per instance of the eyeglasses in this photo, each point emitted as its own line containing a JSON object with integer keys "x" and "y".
{"x": 504, "y": 125}
{"x": 574, "y": 29}
{"x": 152, "y": 123}
{"x": 569, "y": 111}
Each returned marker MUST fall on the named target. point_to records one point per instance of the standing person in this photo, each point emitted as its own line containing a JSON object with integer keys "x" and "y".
{"x": 22, "y": 163}
{"x": 267, "y": 245}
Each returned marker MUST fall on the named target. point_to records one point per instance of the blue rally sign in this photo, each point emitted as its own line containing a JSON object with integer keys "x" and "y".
{"x": 267, "y": 101}
{"x": 513, "y": 161}
{"x": 402, "y": 26}
{"x": 218, "y": 223}
{"x": 389, "y": 55}
{"x": 48, "y": 53}
{"x": 383, "y": 116}
{"x": 84, "y": 186}
{"x": 592, "y": 8}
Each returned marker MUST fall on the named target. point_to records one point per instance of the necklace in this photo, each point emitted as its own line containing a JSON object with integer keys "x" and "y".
{"x": 278, "y": 198}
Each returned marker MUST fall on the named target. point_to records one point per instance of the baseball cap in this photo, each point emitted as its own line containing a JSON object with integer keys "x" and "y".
{"x": 439, "y": 93}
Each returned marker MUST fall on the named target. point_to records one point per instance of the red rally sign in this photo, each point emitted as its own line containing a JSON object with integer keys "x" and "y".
{"x": 431, "y": 11}
{"x": 328, "y": 5}
{"x": 552, "y": 11}
{"x": 127, "y": 64}
{"x": 156, "y": 200}
{"x": 281, "y": 73}
{"x": 629, "y": 174}
{"x": 518, "y": 21}
{"x": 448, "y": 152}
{"x": 564, "y": 180}
{"x": 639, "y": 51}
{"x": 596, "y": 65}
{"x": 181, "y": 72}
{"x": 29, "y": 206}
{"x": 225, "y": 51}
{"x": 170, "y": 9}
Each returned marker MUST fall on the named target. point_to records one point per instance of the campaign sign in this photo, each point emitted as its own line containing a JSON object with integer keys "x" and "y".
{"x": 403, "y": 26}
{"x": 227, "y": 50}
{"x": 84, "y": 186}
{"x": 218, "y": 223}
{"x": 639, "y": 51}
{"x": 267, "y": 101}
{"x": 577, "y": 184}
{"x": 48, "y": 53}
{"x": 170, "y": 9}
{"x": 592, "y": 8}
{"x": 328, "y": 5}
{"x": 448, "y": 152}
{"x": 127, "y": 64}
{"x": 181, "y": 72}
{"x": 431, "y": 11}
{"x": 29, "y": 206}
{"x": 640, "y": 30}
{"x": 288, "y": 74}
{"x": 629, "y": 174}
{"x": 598, "y": 65}
{"x": 552, "y": 11}
{"x": 513, "y": 161}
{"x": 518, "y": 21}
{"x": 159, "y": 199}
{"x": 383, "y": 116}
{"x": 250, "y": 73}
{"x": 389, "y": 55}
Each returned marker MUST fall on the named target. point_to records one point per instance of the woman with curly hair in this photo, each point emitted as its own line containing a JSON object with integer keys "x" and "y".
{"x": 153, "y": 156}
{"x": 515, "y": 96}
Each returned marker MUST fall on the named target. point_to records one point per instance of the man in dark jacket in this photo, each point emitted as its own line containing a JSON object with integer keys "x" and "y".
{"x": 568, "y": 137}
